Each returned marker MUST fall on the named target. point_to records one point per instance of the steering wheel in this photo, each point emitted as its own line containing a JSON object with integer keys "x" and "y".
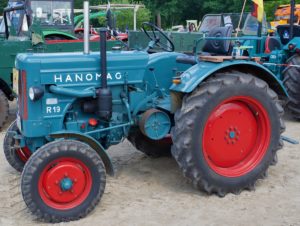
{"x": 155, "y": 39}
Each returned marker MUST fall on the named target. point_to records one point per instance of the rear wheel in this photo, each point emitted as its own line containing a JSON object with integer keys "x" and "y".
{"x": 15, "y": 156}
{"x": 227, "y": 133}
{"x": 291, "y": 82}
{"x": 152, "y": 148}
{"x": 4, "y": 108}
{"x": 63, "y": 181}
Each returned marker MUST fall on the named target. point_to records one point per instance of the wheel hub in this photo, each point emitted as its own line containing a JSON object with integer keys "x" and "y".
{"x": 65, "y": 183}
{"x": 232, "y": 134}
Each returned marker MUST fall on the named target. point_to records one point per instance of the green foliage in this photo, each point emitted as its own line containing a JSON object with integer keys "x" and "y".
{"x": 124, "y": 18}
{"x": 175, "y": 12}
{"x": 271, "y": 6}
{"x": 3, "y": 4}
{"x": 79, "y": 3}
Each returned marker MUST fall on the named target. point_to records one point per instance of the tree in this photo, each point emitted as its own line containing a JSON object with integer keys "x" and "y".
{"x": 79, "y": 3}
{"x": 3, "y": 4}
{"x": 177, "y": 11}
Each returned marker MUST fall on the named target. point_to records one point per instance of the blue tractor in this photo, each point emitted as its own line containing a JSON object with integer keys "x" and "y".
{"x": 288, "y": 69}
{"x": 218, "y": 112}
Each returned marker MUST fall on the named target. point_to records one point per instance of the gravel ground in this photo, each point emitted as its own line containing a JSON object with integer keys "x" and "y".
{"x": 149, "y": 191}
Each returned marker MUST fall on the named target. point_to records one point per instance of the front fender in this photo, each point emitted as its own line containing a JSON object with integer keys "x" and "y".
{"x": 295, "y": 41}
{"x": 92, "y": 143}
{"x": 191, "y": 78}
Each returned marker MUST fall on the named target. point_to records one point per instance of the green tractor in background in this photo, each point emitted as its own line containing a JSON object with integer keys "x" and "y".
{"x": 34, "y": 26}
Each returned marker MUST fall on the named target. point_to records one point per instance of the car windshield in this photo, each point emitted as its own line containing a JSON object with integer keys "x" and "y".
{"x": 251, "y": 25}
{"x": 2, "y": 26}
{"x": 52, "y": 12}
{"x": 209, "y": 22}
{"x": 13, "y": 17}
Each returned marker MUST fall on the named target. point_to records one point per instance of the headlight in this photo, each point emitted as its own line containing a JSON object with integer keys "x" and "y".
{"x": 35, "y": 93}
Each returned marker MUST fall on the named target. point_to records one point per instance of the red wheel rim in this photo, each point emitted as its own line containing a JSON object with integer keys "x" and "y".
{"x": 23, "y": 154}
{"x": 236, "y": 136}
{"x": 65, "y": 183}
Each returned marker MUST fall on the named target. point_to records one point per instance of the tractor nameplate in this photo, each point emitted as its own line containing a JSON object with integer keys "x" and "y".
{"x": 80, "y": 77}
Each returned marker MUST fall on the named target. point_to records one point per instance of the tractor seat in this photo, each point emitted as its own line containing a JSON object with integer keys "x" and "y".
{"x": 284, "y": 32}
{"x": 186, "y": 59}
{"x": 211, "y": 47}
{"x": 189, "y": 59}
{"x": 272, "y": 43}
{"x": 218, "y": 47}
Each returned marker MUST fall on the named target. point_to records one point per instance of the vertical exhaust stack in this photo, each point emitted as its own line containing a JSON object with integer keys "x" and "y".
{"x": 86, "y": 21}
{"x": 104, "y": 93}
{"x": 292, "y": 18}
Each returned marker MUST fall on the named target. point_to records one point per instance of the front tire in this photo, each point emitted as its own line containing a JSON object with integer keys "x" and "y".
{"x": 227, "y": 133}
{"x": 15, "y": 156}
{"x": 63, "y": 181}
{"x": 4, "y": 109}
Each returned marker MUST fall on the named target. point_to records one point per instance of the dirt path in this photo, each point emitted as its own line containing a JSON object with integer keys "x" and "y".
{"x": 153, "y": 192}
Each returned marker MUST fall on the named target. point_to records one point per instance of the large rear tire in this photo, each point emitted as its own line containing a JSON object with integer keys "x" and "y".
{"x": 4, "y": 109}
{"x": 152, "y": 148}
{"x": 63, "y": 181}
{"x": 291, "y": 81}
{"x": 15, "y": 156}
{"x": 227, "y": 133}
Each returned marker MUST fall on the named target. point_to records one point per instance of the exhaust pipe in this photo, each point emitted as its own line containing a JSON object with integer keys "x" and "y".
{"x": 292, "y": 18}
{"x": 104, "y": 93}
{"x": 86, "y": 24}
{"x": 103, "y": 32}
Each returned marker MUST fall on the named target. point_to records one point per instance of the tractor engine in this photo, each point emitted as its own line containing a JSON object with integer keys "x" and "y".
{"x": 67, "y": 92}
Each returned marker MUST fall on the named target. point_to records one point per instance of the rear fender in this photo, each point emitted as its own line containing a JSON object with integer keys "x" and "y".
{"x": 296, "y": 42}
{"x": 197, "y": 74}
{"x": 92, "y": 143}
{"x": 6, "y": 89}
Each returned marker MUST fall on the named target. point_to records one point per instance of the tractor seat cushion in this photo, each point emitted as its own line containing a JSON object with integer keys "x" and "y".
{"x": 190, "y": 59}
{"x": 186, "y": 59}
{"x": 218, "y": 47}
{"x": 272, "y": 43}
{"x": 284, "y": 32}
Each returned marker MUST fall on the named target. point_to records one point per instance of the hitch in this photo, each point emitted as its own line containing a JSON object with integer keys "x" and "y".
{"x": 289, "y": 140}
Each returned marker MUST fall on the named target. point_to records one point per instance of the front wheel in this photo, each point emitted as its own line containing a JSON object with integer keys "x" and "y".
{"x": 4, "y": 108}
{"x": 227, "y": 133}
{"x": 63, "y": 181}
{"x": 15, "y": 155}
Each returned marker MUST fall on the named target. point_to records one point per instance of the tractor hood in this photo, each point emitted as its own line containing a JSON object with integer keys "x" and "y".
{"x": 64, "y": 69}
